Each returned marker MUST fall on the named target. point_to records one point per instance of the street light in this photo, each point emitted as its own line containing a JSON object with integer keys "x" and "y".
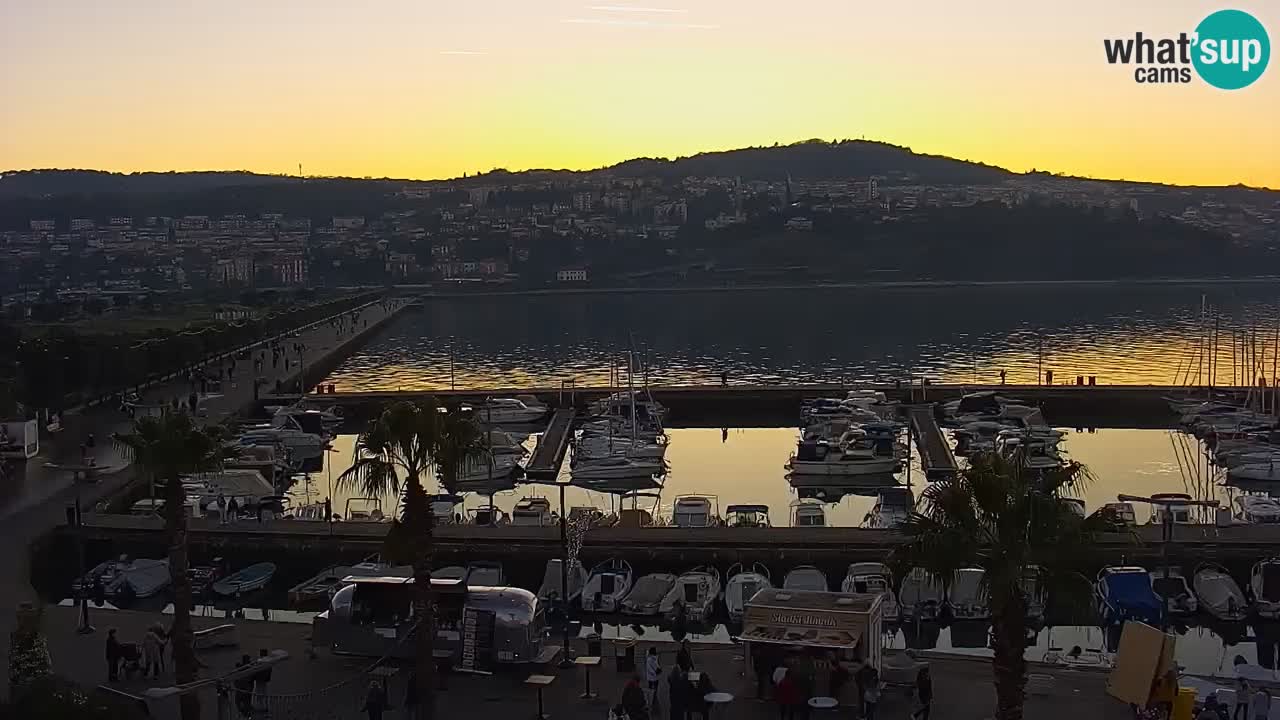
{"x": 565, "y": 661}
{"x": 1166, "y": 533}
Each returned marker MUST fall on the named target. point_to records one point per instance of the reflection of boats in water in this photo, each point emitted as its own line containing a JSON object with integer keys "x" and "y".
{"x": 969, "y": 634}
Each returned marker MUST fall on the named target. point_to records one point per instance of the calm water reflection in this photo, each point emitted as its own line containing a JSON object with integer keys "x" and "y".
{"x": 744, "y": 465}
{"x": 1140, "y": 334}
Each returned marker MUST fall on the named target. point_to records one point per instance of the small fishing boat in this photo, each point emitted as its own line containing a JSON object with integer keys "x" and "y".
{"x": 921, "y": 596}
{"x": 647, "y": 595}
{"x": 697, "y": 591}
{"x": 1219, "y": 594}
{"x": 967, "y": 598}
{"x": 485, "y": 573}
{"x": 808, "y": 513}
{"x": 873, "y": 578}
{"x": 805, "y": 577}
{"x": 607, "y": 586}
{"x": 1125, "y": 593}
{"x": 254, "y": 577}
{"x": 552, "y": 584}
{"x": 1172, "y": 588}
{"x": 742, "y": 586}
{"x": 1264, "y": 581}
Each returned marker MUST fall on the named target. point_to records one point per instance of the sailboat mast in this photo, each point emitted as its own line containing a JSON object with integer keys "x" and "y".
{"x": 631, "y": 390}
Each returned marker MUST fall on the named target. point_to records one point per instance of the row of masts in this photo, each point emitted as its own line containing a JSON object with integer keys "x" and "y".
{"x": 1249, "y": 355}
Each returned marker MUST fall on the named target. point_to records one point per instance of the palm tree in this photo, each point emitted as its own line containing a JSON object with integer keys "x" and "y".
{"x": 1013, "y": 523}
{"x": 397, "y": 451}
{"x": 166, "y": 448}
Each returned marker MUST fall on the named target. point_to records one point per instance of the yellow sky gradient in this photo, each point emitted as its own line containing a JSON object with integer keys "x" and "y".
{"x": 417, "y": 89}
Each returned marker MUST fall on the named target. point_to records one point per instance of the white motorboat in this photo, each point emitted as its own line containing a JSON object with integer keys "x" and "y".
{"x": 533, "y": 403}
{"x": 967, "y": 598}
{"x": 488, "y": 467}
{"x": 893, "y": 507}
{"x": 445, "y": 509}
{"x": 607, "y": 585}
{"x": 1219, "y": 594}
{"x": 742, "y": 586}
{"x": 754, "y": 516}
{"x": 552, "y": 583}
{"x": 1171, "y": 587}
{"x": 855, "y": 458}
{"x": 808, "y": 513}
{"x": 140, "y": 579}
{"x": 615, "y": 468}
{"x": 486, "y": 573}
{"x": 532, "y": 512}
{"x": 1036, "y": 453}
{"x": 697, "y": 591}
{"x": 873, "y": 578}
{"x": 503, "y": 411}
{"x": 1264, "y": 581}
{"x": 647, "y": 596}
{"x": 1258, "y": 509}
{"x": 619, "y": 404}
{"x": 695, "y": 511}
{"x": 920, "y": 596}
{"x": 296, "y": 440}
{"x": 365, "y": 509}
{"x": 806, "y": 577}
{"x": 1170, "y": 504}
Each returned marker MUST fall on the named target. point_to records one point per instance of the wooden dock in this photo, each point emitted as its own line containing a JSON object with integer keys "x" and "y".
{"x": 548, "y": 456}
{"x": 936, "y": 456}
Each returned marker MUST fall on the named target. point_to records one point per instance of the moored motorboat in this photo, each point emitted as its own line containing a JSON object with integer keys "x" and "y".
{"x": 874, "y": 578}
{"x": 696, "y": 591}
{"x": 503, "y": 411}
{"x": 967, "y": 598}
{"x": 648, "y": 594}
{"x": 1264, "y": 582}
{"x": 695, "y": 511}
{"x": 1173, "y": 589}
{"x": 808, "y": 512}
{"x": 254, "y": 577}
{"x": 1218, "y": 593}
{"x": 486, "y": 573}
{"x": 532, "y": 512}
{"x": 921, "y": 596}
{"x": 742, "y": 586}
{"x": 1258, "y": 509}
{"x": 806, "y": 577}
{"x": 747, "y": 516}
{"x": 552, "y": 583}
{"x": 1125, "y": 593}
{"x": 607, "y": 586}
{"x": 893, "y": 507}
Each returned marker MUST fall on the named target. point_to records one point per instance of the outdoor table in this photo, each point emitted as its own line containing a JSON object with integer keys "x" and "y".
{"x": 823, "y": 703}
{"x": 717, "y": 698}
{"x": 540, "y": 681}
{"x": 587, "y": 662}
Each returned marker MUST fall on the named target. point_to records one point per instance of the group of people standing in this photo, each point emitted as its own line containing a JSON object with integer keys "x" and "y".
{"x": 794, "y": 680}
{"x": 686, "y": 690}
{"x": 148, "y": 656}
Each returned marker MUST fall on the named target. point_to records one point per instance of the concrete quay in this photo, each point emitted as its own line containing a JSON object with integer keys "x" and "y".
{"x": 34, "y": 502}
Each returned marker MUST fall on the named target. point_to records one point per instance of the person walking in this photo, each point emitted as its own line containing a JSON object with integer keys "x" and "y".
{"x": 114, "y": 655}
{"x": 233, "y": 510}
{"x": 787, "y": 694}
{"x": 684, "y": 657}
{"x": 924, "y": 691}
{"x": 632, "y": 700}
{"x": 150, "y": 654}
{"x": 375, "y": 701}
{"x": 652, "y": 674}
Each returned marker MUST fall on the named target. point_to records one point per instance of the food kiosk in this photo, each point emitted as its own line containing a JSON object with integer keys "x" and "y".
{"x": 804, "y": 620}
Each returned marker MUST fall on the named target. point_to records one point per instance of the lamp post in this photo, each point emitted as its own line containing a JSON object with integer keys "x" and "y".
{"x": 85, "y": 628}
{"x": 1166, "y": 534}
{"x": 565, "y": 661}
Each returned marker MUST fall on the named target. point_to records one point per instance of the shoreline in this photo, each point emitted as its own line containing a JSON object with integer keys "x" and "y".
{"x": 430, "y": 291}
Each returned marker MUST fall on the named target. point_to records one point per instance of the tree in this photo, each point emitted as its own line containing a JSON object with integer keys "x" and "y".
{"x": 1013, "y": 523}
{"x": 398, "y": 450}
{"x": 166, "y": 448}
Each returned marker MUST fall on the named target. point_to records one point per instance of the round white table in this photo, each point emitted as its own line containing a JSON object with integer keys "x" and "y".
{"x": 718, "y": 698}
{"x": 823, "y": 703}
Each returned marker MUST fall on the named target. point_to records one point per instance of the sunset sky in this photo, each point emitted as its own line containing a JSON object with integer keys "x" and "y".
{"x": 433, "y": 88}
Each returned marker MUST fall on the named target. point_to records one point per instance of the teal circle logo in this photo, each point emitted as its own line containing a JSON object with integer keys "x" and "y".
{"x": 1232, "y": 49}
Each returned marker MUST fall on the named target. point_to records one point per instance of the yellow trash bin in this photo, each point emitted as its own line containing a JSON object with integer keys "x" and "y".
{"x": 1184, "y": 703}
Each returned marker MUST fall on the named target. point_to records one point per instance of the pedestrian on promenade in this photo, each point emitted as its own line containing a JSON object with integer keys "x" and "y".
{"x": 633, "y": 700}
{"x": 233, "y": 510}
{"x": 652, "y": 674}
{"x": 375, "y": 701}
{"x": 222, "y": 509}
{"x": 114, "y": 655}
{"x": 787, "y": 695}
{"x": 924, "y": 691}
{"x": 150, "y": 654}
{"x": 684, "y": 658}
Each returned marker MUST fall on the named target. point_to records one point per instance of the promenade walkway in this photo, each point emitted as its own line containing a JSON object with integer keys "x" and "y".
{"x": 962, "y": 686}
{"x": 35, "y": 500}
